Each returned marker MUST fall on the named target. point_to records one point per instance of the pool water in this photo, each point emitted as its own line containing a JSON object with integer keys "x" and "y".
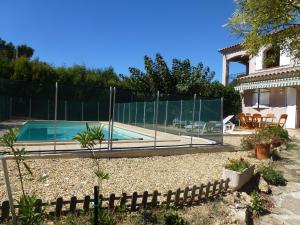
{"x": 67, "y": 130}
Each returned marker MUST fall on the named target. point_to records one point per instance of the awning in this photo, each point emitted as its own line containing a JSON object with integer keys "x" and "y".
{"x": 285, "y": 82}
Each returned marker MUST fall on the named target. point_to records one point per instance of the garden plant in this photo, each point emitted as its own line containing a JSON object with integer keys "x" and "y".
{"x": 272, "y": 176}
{"x": 28, "y": 215}
{"x": 237, "y": 165}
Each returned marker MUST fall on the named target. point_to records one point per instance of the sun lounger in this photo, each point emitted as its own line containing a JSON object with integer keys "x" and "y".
{"x": 196, "y": 126}
{"x": 178, "y": 123}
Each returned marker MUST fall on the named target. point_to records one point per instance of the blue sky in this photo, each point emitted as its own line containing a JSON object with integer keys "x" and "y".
{"x": 118, "y": 33}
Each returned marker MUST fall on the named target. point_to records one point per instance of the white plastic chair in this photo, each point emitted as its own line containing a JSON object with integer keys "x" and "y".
{"x": 227, "y": 124}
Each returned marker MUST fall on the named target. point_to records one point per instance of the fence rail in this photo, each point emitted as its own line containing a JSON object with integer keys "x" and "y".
{"x": 181, "y": 197}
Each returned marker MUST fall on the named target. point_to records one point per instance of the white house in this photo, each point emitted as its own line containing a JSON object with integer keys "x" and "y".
{"x": 268, "y": 86}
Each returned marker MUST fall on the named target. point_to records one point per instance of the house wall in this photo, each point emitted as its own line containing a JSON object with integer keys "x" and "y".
{"x": 291, "y": 104}
{"x": 252, "y": 64}
{"x": 298, "y": 108}
{"x": 256, "y": 62}
{"x": 259, "y": 60}
{"x": 282, "y": 101}
{"x": 278, "y": 97}
{"x": 285, "y": 59}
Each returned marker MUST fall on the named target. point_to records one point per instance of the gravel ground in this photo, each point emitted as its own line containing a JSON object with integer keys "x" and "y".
{"x": 64, "y": 177}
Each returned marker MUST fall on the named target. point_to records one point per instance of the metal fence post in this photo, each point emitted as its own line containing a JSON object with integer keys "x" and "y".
{"x": 166, "y": 119}
{"x": 154, "y": 110}
{"x": 9, "y": 192}
{"x": 113, "y": 117}
{"x": 193, "y": 120}
{"x": 109, "y": 118}
{"x": 180, "y": 117}
{"x": 129, "y": 114}
{"x": 118, "y": 112}
{"x": 135, "y": 113}
{"x": 222, "y": 129}
{"x": 66, "y": 110}
{"x": 98, "y": 111}
{"x": 30, "y": 107}
{"x": 48, "y": 109}
{"x": 144, "y": 117}
{"x": 82, "y": 116}
{"x": 55, "y": 113}
{"x": 10, "y": 107}
{"x": 156, "y": 116}
{"x": 200, "y": 109}
{"x": 124, "y": 112}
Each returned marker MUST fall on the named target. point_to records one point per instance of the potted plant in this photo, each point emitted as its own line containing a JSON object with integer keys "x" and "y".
{"x": 279, "y": 136}
{"x": 263, "y": 138}
{"x": 238, "y": 171}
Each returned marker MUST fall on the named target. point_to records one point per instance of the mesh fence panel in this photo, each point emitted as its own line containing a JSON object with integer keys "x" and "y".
{"x": 74, "y": 110}
{"x": 199, "y": 118}
{"x": 90, "y": 111}
{"x": 4, "y": 108}
{"x": 20, "y": 107}
{"x": 40, "y": 108}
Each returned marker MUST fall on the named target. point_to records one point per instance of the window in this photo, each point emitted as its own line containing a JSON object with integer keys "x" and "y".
{"x": 271, "y": 57}
{"x": 264, "y": 98}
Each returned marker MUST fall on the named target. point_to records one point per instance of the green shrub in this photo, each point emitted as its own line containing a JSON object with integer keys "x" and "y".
{"x": 247, "y": 142}
{"x": 257, "y": 203}
{"x": 271, "y": 134}
{"x": 279, "y": 134}
{"x": 106, "y": 217}
{"x": 27, "y": 211}
{"x": 173, "y": 218}
{"x": 263, "y": 135}
{"x": 275, "y": 155}
{"x": 150, "y": 216}
{"x": 237, "y": 165}
{"x": 272, "y": 176}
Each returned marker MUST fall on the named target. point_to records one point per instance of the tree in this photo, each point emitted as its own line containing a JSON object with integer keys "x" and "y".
{"x": 267, "y": 23}
{"x": 22, "y": 69}
{"x": 182, "y": 78}
{"x": 25, "y": 51}
{"x": 7, "y": 50}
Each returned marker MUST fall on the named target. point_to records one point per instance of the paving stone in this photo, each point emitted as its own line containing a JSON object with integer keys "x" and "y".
{"x": 293, "y": 221}
{"x": 292, "y": 204}
{"x": 293, "y": 166}
{"x": 286, "y": 198}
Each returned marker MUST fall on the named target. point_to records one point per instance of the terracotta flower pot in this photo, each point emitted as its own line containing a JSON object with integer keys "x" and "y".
{"x": 262, "y": 151}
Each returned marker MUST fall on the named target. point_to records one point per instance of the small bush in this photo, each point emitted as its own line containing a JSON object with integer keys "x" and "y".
{"x": 106, "y": 217}
{"x": 271, "y": 135}
{"x": 272, "y": 176}
{"x": 173, "y": 218}
{"x": 247, "y": 143}
{"x": 275, "y": 155}
{"x": 257, "y": 203}
{"x": 279, "y": 134}
{"x": 27, "y": 211}
{"x": 237, "y": 165}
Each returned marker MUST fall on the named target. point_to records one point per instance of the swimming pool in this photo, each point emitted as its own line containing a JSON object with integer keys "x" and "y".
{"x": 66, "y": 131}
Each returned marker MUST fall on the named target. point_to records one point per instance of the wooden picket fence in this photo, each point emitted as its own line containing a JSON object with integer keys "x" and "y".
{"x": 179, "y": 198}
